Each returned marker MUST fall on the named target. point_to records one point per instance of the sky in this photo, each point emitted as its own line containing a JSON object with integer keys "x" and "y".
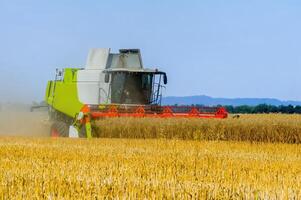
{"x": 220, "y": 48}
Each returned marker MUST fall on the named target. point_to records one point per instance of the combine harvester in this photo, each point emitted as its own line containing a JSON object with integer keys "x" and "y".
{"x": 111, "y": 85}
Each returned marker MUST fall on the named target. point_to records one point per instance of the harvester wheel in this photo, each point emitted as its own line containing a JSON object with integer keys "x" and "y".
{"x": 83, "y": 132}
{"x": 59, "y": 129}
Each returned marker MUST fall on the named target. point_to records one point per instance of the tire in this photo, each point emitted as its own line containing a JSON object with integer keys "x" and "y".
{"x": 82, "y": 132}
{"x": 59, "y": 129}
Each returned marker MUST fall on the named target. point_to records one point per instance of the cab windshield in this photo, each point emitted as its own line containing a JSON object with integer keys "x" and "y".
{"x": 131, "y": 88}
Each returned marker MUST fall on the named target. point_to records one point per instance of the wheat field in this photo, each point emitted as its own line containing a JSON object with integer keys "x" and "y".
{"x": 254, "y": 157}
{"x": 253, "y": 128}
{"x": 152, "y": 168}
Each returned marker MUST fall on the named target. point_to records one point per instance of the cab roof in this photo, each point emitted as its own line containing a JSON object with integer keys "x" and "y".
{"x": 134, "y": 70}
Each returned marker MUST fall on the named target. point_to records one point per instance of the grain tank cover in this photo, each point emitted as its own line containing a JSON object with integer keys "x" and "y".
{"x": 101, "y": 58}
{"x": 125, "y": 59}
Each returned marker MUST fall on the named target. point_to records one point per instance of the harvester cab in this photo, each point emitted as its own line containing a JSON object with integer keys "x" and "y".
{"x": 111, "y": 85}
{"x": 129, "y": 82}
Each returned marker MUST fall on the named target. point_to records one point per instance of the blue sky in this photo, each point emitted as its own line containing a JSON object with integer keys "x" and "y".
{"x": 227, "y": 48}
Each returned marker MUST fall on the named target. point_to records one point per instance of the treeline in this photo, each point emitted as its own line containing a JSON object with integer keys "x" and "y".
{"x": 264, "y": 108}
{"x": 261, "y": 108}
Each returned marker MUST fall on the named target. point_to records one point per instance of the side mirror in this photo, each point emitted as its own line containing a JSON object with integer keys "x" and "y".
{"x": 165, "y": 79}
{"x": 107, "y": 78}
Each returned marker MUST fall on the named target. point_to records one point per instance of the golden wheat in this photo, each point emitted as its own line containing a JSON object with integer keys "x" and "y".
{"x": 254, "y": 128}
{"x": 153, "y": 169}
{"x": 188, "y": 166}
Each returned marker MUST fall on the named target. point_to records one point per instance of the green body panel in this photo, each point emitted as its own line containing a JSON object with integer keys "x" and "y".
{"x": 62, "y": 95}
{"x": 88, "y": 130}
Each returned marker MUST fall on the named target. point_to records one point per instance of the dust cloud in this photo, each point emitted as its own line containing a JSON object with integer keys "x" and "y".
{"x": 24, "y": 123}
